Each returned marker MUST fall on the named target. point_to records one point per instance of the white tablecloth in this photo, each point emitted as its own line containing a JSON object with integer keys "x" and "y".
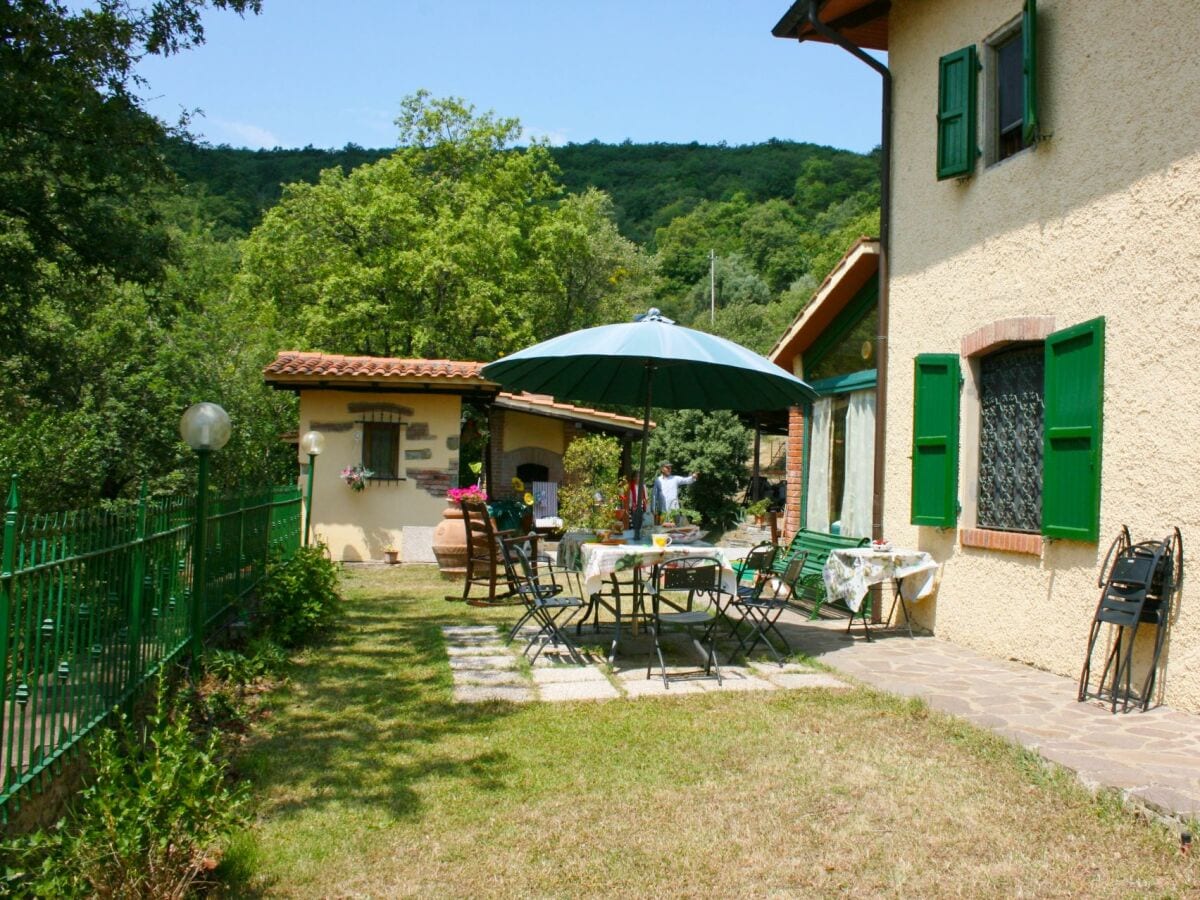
{"x": 849, "y": 574}
{"x": 595, "y": 562}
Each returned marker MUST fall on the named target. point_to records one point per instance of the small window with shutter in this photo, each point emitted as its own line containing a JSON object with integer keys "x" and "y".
{"x": 1010, "y": 63}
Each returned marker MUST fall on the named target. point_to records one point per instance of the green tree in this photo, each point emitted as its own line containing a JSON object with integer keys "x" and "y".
{"x": 714, "y": 444}
{"x": 79, "y": 157}
{"x": 453, "y": 246}
{"x": 592, "y": 482}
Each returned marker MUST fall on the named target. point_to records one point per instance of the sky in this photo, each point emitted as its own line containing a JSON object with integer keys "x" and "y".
{"x": 332, "y": 72}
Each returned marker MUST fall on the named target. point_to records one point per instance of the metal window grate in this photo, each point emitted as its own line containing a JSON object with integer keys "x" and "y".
{"x": 381, "y": 440}
{"x": 1012, "y": 407}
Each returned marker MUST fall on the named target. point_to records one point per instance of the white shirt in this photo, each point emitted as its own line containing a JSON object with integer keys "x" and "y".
{"x": 666, "y": 491}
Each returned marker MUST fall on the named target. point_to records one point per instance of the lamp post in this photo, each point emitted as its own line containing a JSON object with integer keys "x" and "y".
{"x": 312, "y": 443}
{"x": 204, "y": 427}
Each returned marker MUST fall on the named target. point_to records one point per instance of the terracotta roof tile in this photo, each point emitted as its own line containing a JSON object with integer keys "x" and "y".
{"x": 295, "y": 363}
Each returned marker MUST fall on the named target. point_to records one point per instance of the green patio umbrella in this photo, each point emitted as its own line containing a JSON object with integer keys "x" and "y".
{"x": 650, "y": 361}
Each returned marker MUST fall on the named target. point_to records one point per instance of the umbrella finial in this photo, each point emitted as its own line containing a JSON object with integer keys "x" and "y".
{"x": 653, "y": 315}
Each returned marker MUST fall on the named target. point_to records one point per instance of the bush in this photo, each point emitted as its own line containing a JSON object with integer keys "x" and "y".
{"x": 150, "y": 823}
{"x": 591, "y": 494}
{"x": 299, "y": 599}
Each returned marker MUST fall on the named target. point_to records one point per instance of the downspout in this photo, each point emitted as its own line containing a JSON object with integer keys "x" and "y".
{"x": 885, "y": 208}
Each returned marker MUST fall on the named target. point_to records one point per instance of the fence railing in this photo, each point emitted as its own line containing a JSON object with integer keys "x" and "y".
{"x": 94, "y": 603}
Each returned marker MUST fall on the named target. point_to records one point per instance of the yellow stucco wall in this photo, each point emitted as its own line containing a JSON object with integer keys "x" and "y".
{"x": 1101, "y": 218}
{"x": 525, "y": 430}
{"x": 357, "y": 526}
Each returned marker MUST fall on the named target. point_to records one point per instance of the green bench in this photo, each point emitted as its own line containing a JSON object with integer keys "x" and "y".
{"x": 818, "y": 544}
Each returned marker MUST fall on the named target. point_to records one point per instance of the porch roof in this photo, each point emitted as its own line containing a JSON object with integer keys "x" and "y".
{"x": 860, "y": 264}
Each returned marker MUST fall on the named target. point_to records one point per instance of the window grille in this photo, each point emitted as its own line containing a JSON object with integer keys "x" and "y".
{"x": 1012, "y": 408}
{"x": 381, "y": 440}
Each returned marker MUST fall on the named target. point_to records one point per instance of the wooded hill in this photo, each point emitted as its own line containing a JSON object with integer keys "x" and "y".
{"x": 650, "y": 184}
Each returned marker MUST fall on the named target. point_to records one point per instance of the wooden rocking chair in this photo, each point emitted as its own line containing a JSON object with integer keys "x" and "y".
{"x": 485, "y": 565}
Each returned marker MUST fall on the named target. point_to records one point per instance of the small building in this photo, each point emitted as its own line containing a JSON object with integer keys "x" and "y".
{"x": 405, "y": 420}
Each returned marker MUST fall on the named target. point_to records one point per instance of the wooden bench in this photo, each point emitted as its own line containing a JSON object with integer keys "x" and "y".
{"x": 811, "y": 587}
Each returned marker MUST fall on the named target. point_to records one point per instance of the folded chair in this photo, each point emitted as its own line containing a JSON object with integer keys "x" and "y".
{"x": 700, "y": 576}
{"x": 762, "y": 608}
{"x": 545, "y": 606}
{"x": 1138, "y": 583}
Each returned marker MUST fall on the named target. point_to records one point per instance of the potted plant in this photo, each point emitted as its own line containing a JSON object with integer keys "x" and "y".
{"x": 450, "y": 536}
{"x": 758, "y": 510}
{"x": 356, "y": 477}
{"x": 391, "y": 555}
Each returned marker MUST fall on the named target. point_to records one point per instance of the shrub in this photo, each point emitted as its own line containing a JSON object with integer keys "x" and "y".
{"x": 592, "y": 491}
{"x": 299, "y": 599}
{"x": 714, "y": 444}
{"x": 150, "y": 823}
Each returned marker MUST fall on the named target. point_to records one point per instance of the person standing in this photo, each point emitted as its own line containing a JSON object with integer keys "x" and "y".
{"x": 666, "y": 489}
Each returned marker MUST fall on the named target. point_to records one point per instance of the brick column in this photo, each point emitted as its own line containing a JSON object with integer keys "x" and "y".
{"x": 795, "y": 472}
{"x": 495, "y": 449}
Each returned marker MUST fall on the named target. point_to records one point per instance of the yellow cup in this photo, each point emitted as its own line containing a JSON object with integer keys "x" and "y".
{"x": 660, "y": 540}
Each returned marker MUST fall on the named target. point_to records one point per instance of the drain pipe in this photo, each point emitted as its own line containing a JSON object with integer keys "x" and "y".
{"x": 885, "y": 209}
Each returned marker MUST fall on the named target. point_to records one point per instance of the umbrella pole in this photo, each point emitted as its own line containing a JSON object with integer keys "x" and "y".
{"x": 640, "y": 512}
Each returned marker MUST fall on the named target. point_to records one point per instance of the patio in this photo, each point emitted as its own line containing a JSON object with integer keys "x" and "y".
{"x": 374, "y": 780}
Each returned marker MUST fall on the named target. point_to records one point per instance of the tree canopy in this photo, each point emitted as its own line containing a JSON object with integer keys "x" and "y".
{"x": 459, "y": 244}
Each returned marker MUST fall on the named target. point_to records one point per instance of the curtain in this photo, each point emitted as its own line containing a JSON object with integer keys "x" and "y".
{"x": 818, "y": 467}
{"x": 860, "y": 465}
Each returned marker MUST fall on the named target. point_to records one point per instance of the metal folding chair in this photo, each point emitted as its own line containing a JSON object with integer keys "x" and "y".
{"x": 545, "y": 606}
{"x": 700, "y": 576}
{"x": 762, "y": 607}
{"x": 1138, "y": 583}
{"x": 755, "y": 567}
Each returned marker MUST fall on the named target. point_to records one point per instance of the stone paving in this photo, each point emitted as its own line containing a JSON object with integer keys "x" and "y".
{"x": 486, "y": 668}
{"x": 1152, "y": 758}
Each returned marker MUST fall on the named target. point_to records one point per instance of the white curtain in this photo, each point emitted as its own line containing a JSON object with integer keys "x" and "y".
{"x": 818, "y": 466}
{"x": 860, "y": 465}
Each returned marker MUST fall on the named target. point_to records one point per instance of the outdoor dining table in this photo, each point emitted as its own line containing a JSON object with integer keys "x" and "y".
{"x": 849, "y": 574}
{"x": 599, "y": 564}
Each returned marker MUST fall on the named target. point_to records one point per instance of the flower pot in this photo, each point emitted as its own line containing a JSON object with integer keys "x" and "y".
{"x": 391, "y": 556}
{"x": 450, "y": 543}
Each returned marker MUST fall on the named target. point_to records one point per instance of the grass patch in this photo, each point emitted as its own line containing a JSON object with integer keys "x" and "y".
{"x": 373, "y": 782}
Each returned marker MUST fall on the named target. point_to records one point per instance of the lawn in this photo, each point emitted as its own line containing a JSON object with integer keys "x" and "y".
{"x": 372, "y": 782}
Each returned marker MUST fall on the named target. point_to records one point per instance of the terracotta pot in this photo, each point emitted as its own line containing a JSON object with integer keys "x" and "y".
{"x": 450, "y": 543}
{"x": 392, "y": 556}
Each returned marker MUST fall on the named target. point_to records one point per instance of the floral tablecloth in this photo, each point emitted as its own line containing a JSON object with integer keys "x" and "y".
{"x": 595, "y": 562}
{"x": 849, "y": 574}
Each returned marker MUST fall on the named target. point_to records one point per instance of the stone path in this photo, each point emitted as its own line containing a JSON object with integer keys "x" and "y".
{"x": 1152, "y": 758}
{"x": 486, "y": 668}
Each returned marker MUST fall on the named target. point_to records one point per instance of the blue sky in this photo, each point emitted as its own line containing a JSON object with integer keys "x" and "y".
{"x": 331, "y": 72}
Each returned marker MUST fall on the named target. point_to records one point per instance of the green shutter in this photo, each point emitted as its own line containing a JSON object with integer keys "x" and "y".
{"x": 1072, "y": 435}
{"x": 956, "y": 143}
{"x": 935, "y": 440}
{"x": 1029, "y": 62}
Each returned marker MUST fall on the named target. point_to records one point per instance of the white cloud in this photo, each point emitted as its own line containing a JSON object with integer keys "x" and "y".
{"x": 243, "y": 134}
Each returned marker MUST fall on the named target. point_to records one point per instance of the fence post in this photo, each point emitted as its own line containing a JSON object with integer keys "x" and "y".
{"x": 241, "y": 547}
{"x": 8, "y": 558}
{"x": 199, "y": 550}
{"x": 136, "y": 589}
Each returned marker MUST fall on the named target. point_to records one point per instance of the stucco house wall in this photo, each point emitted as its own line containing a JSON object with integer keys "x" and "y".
{"x": 358, "y": 525}
{"x": 1100, "y": 218}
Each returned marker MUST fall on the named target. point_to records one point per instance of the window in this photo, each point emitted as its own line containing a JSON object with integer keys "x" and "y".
{"x": 1011, "y": 404}
{"x": 381, "y": 450}
{"x": 1012, "y": 86}
{"x": 1040, "y": 436}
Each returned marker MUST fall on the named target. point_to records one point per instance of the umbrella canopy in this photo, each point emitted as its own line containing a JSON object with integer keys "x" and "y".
{"x": 650, "y": 361}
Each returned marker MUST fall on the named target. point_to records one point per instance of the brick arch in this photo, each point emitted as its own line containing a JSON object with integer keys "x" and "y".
{"x": 1002, "y": 332}
{"x": 510, "y": 459}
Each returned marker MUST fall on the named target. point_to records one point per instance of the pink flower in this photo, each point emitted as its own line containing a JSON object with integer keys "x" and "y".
{"x": 473, "y": 492}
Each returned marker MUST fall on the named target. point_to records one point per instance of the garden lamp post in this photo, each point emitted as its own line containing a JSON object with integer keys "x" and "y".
{"x": 205, "y": 428}
{"x": 312, "y": 443}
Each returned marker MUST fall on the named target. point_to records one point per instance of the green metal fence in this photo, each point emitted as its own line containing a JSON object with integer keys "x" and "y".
{"x": 94, "y": 603}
